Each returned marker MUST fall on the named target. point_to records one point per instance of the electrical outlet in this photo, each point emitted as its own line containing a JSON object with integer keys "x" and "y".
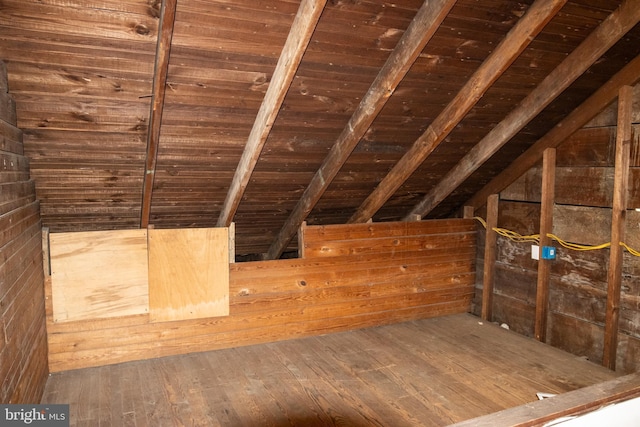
{"x": 548, "y": 252}
{"x": 535, "y": 252}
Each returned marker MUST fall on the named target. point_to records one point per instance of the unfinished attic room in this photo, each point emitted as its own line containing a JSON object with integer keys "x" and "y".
{"x": 320, "y": 212}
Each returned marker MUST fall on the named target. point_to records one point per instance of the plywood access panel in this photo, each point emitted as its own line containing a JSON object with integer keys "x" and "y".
{"x": 98, "y": 274}
{"x": 188, "y": 273}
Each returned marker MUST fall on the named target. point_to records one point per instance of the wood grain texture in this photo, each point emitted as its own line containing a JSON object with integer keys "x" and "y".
{"x": 589, "y": 51}
{"x": 82, "y": 77}
{"x": 546, "y": 225}
{"x": 618, "y": 224}
{"x": 283, "y": 299}
{"x": 413, "y": 40}
{"x": 188, "y": 274}
{"x": 429, "y": 372}
{"x": 161, "y": 68}
{"x": 23, "y": 340}
{"x": 99, "y": 274}
{"x": 518, "y": 38}
{"x": 490, "y": 256}
{"x": 304, "y": 24}
{"x": 563, "y": 130}
{"x": 575, "y": 403}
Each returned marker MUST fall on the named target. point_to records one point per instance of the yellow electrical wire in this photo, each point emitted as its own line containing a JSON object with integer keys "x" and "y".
{"x": 512, "y": 235}
{"x": 576, "y": 246}
{"x": 630, "y": 250}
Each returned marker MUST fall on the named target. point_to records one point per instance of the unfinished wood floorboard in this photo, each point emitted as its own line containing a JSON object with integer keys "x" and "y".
{"x": 430, "y": 372}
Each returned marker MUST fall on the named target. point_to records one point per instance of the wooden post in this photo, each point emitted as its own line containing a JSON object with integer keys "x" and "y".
{"x": 46, "y": 254}
{"x": 468, "y": 212}
{"x": 489, "y": 257}
{"x": 232, "y": 243}
{"x": 301, "y": 231}
{"x": 546, "y": 226}
{"x": 618, "y": 214}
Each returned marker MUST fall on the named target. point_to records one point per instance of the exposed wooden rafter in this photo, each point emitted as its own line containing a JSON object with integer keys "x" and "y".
{"x": 538, "y": 15}
{"x": 597, "y": 102}
{"x": 302, "y": 29}
{"x": 419, "y": 32}
{"x": 163, "y": 51}
{"x": 593, "y": 47}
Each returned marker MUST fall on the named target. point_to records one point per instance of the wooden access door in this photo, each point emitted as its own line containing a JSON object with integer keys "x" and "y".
{"x": 188, "y": 273}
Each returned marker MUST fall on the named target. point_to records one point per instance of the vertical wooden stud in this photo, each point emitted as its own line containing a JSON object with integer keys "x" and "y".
{"x": 232, "y": 243}
{"x": 301, "y": 232}
{"x": 468, "y": 212}
{"x": 46, "y": 258}
{"x": 489, "y": 257}
{"x": 546, "y": 226}
{"x": 618, "y": 215}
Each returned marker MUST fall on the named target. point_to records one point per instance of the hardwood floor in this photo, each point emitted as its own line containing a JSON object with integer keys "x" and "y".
{"x": 431, "y": 372}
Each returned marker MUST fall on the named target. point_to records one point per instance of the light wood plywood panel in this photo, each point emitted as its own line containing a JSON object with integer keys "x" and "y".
{"x": 99, "y": 274}
{"x": 188, "y": 273}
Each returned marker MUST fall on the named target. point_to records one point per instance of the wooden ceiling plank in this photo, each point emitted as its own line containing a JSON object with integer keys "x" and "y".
{"x": 302, "y": 29}
{"x": 518, "y": 38}
{"x": 163, "y": 50}
{"x": 592, "y": 48}
{"x": 590, "y": 108}
{"x": 420, "y": 30}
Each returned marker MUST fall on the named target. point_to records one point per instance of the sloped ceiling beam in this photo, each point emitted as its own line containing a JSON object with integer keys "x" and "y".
{"x": 163, "y": 50}
{"x": 302, "y": 29}
{"x": 525, "y": 30}
{"x": 593, "y": 47}
{"x": 417, "y": 35}
{"x": 629, "y": 75}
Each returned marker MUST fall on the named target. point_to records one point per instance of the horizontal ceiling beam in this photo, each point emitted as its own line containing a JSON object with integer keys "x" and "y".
{"x": 302, "y": 29}
{"x": 163, "y": 52}
{"x": 593, "y": 47}
{"x": 424, "y": 25}
{"x": 629, "y": 75}
{"x": 518, "y": 38}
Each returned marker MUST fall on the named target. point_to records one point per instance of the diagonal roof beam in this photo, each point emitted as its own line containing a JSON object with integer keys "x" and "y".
{"x": 419, "y": 32}
{"x": 629, "y": 75}
{"x": 518, "y": 38}
{"x": 302, "y": 29}
{"x": 593, "y": 47}
{"x": 163, "y": 50}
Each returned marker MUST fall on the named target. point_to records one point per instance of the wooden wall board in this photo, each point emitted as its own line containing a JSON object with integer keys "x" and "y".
{"x": 98, "y": 274}
{"x": 188, "y": 273}
{"x": 608, "y": 117}
{"x": 583, "y": 225}
{"x": 23, "y": 346}
{"x": 288, "y": 298}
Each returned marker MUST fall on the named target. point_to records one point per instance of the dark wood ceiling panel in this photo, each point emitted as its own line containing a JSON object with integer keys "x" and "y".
{"x": 223, "y": 55}
{"x": 80, "y": 72}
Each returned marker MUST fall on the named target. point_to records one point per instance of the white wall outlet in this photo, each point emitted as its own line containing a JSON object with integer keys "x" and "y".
{"x": 535, "y": 252}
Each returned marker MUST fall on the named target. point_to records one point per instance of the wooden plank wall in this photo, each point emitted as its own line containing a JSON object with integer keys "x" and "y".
{"x": 578, "y": 282}
{"x": 352, "y": 276}
{"x": 23, "y": 346}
